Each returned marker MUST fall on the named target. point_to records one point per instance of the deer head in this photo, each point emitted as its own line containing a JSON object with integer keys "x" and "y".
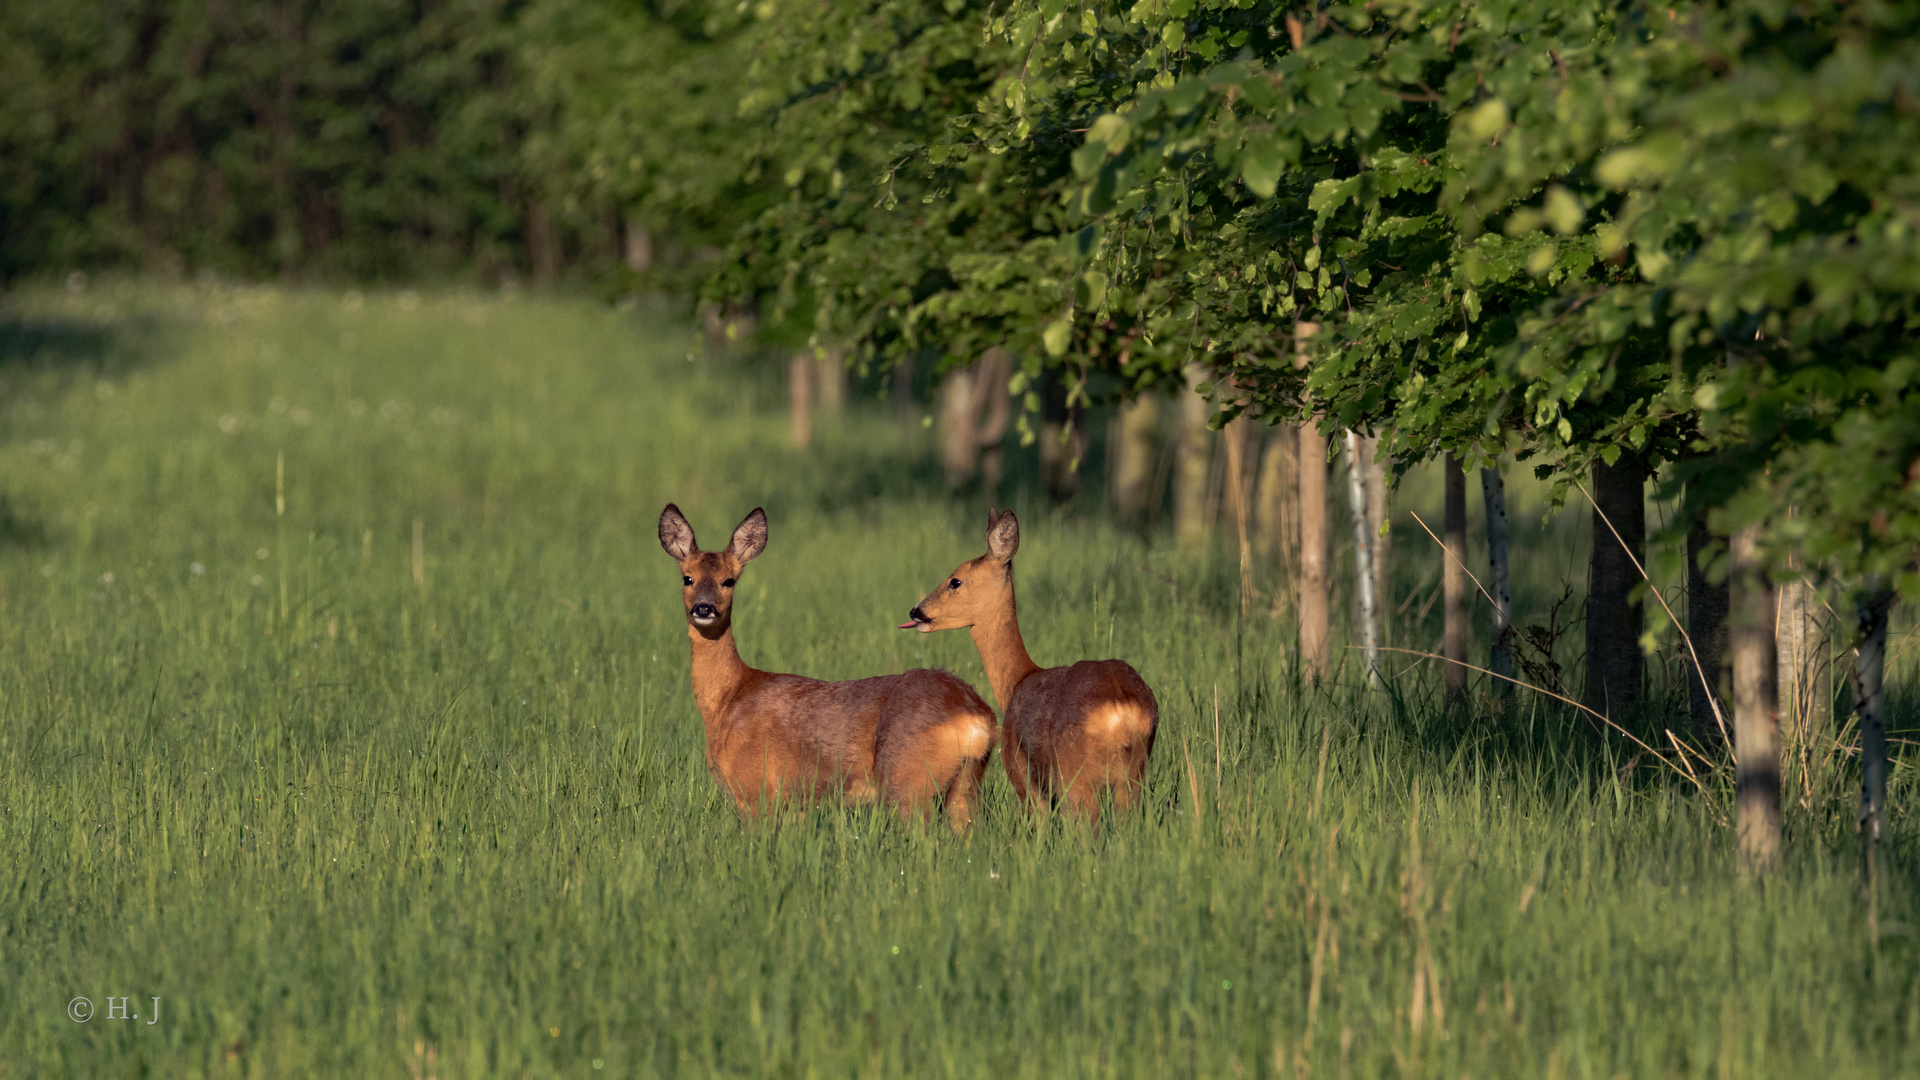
{"x": 978, "y": 587}
{"x": 707, "y": 578}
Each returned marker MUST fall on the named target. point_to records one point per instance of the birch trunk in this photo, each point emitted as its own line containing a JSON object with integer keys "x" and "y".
{"x": 1453, "y": 579}
{"x": 1130, "y": 439}
{"x": 1192, "y": 466}
{"x": 1616, "y": 667}
{"x": 1756, "y": 736}
{"x": 1363, "y": 560}
{"x": 1493, "y": 491}
{"x": 1382, "y": 534}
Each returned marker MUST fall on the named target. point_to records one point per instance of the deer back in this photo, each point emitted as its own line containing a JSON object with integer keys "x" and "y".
{"x": 1094, "y": 721}
{"x": 806, "y": 735}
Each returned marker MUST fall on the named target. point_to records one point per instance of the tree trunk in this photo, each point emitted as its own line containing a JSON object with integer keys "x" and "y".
{"x": 1869, "y": 670}
{"x": 1130, "y": 455}
{"x": 543, "y": 246}
{"x": 900, "y": 385}
{"x": 959, "y": 424}
{"x": 1806, "y": 671}
{"x": 1275, "y": 498}
{"x": 1493, "y": 491}
{"x": 1616, "y": 667}
{"x": 1707, "y": 603}
{"x": 1062, "y": 447}
{"x": 639, "y": 246}
{"x": 1453, "y": 579}
{"x": 1756, "y": 736}
{"x": 1312, "y": 604}
{"x": 800, "y": 397}
{"x": 993, "y": 406}
{"x": 831, "y": 369}
{"x": 1235, "y": 440}
{"x": 1192, "y": 466}
{"x": 1363, "y": 559}
{"x": 727, "y": 325}
{"x": 1377, "y": 510}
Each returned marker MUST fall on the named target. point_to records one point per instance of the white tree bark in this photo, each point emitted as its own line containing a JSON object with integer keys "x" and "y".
{"x": 1363, "y": 560}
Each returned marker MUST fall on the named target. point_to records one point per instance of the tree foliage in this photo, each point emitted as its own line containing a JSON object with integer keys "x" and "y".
{"x": 1571, "y": 230}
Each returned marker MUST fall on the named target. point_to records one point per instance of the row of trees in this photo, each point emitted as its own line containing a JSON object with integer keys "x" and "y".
{"x": 1619, "y": 242}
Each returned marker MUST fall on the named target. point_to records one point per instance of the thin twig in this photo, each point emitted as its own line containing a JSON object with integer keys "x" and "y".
{"x": 1557, "y": 697}
{"x": 1680, "y": 752}
{"x": 1706, "y": 683}
{"x": 1457, "y": 562}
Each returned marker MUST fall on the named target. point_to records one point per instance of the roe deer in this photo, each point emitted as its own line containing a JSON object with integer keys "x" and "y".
{"x": 913, "y": 738}
{"x": 1072, "y": 732}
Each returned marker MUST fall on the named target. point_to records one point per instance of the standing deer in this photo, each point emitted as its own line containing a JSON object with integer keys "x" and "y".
{"x": 1071, "y": 732}
{"x": 913, "y": 738}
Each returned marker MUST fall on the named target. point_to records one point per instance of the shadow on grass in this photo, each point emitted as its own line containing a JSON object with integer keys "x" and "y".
{"x": 47, "y": 353}
{"x": 40, "y": 360}
{"x": 20, "y": 532}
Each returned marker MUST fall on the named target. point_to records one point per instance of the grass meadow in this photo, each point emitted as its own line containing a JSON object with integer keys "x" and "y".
{"x": 344, "y": 709}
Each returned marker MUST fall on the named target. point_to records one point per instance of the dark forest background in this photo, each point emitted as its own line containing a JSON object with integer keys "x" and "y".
{"x": 350, "y": 140}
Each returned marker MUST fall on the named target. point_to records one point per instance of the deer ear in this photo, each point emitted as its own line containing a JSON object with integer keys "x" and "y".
{"x": 750, "y": 538}
{"x": 1003, "y": 536}
{"x": 675, "y": 534}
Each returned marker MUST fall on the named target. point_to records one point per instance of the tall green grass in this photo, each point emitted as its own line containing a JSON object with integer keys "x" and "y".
{"x": 355, "y": 806}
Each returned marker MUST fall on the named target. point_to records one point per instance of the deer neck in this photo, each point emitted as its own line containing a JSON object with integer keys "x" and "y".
{"x": 718, "y": 672}
{"x": 1003, "y": 652}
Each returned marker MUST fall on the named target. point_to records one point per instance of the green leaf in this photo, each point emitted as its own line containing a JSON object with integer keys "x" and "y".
{"x": 1260, "y": 165}
{"x": 1057, "y": 336}
{"x": 1090, "y": 290}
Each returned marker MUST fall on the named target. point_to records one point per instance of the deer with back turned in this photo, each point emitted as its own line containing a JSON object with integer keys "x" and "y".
{"x": 1076, "y": 733}
{"x": 915, "y": 739}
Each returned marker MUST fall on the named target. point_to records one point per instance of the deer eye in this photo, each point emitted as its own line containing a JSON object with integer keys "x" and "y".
{"x": 727, "y": 584}
{"x": 954, "y": 584}
{"x": 685, "y": 580}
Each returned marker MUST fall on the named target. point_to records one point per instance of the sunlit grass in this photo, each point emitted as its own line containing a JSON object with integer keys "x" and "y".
{"x": 354, "y": 804}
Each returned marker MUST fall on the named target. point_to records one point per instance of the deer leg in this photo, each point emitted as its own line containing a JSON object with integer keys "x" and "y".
{"x": 1014, "y": 757}
{"x": 963, "y": 791}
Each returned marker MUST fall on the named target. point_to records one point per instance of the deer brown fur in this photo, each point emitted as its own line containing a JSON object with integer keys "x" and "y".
{"x": 915, "y": 739}
{"x": 1071, "y": 733}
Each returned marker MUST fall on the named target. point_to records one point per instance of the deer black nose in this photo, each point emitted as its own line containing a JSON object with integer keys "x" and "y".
{"x": 703, "y": 610}
{"x": 918, "y": 616}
